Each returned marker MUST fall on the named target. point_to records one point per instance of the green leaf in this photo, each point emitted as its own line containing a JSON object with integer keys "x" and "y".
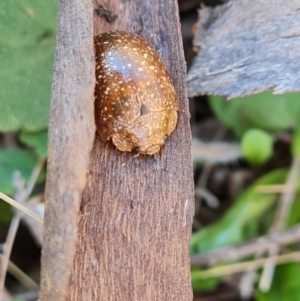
{"x": 296, "y": 143}
{"x": 37, "y": 140}
{"x": 257, "y": 146}
{"x": 200, "y": 283}
{"x": 285, "y": 285}
{"x": 27, "y": 39}
{"x": 12, "y": 160}
{"x": 294, "y": 216}
{"x": 264, "y": 110}
{"x": 241, "y": 221}
{"x": 5, "y": 212}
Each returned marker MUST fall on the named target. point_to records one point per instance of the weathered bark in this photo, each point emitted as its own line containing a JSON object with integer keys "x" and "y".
{"x": 135, "y": 218}
{"x": 246, "y": 47}
{"x": 71, "y": 136}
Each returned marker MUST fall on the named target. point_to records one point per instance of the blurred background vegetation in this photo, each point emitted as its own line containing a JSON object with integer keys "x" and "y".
{"x": 245, "y": 153}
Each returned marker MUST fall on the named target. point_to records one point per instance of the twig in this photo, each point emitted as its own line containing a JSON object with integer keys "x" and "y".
{"x": 206, "y": 170}
{"x": 21, "y": 194}
{"x": 266, "y": 277}
{"x": 248, "y": 248}
{"x": 31, "y": 295}
{"x": 288, "y": 196}
{"x": 34, "y": 176}
{"x": 7, "y": 250}
{"x": 246, "y": 283}
{"x": 20, "y": 207}
{"x": 279, "y": 188}
{"x": 241, "y": 266}
{"x": 282, "y": 213}
{"x": 249, "y": 278}
{"x": 211, "y": 200}
{"x": 215, "y": 152}
{"x": 7, "y": 296}
{"x": 23, "y": 278}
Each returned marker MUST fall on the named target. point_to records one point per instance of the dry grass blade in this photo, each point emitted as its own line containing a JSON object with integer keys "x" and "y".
{"x": 13, "y": 228}
{"x": 22, "y": 192}
{"x": 281, "y": 215}
{"x": 255, "y": 264}
{"x": 238, "y": 251}
{"x": 23, "y": 278}
{"x": 20, "y": 207}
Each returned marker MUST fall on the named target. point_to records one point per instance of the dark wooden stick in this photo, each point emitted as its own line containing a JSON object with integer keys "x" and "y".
{"x": 135, "y": 218}
{"x": 71, "y": 136}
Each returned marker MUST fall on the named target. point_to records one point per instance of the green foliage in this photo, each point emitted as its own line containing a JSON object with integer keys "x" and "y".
{"x": 27, "y": 39}
{"x": 241, "y": 220}
{"x": 37, "y": 140}
{"x": 200, "y": 283}
{"x": 294, "y": 216}
{"x": 264, "y": 110}
{"x": 285, "y": 285}
{"x": 5, "y": 212}
{"x": 12, "y": 160}
{"x": 296, "y": 143}
{"x": 257, "y": 146}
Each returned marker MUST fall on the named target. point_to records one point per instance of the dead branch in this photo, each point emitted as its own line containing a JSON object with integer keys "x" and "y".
{"x": 248, "y": 248}
{"x": 130, "y": 239}
{"x": 246, "y": 47}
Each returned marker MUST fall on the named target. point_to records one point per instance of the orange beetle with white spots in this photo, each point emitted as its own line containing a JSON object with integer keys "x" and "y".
{"x": 135, "y": 100}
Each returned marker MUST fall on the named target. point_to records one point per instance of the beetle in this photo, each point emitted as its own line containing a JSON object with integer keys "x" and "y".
{"x": 135, "y": 100}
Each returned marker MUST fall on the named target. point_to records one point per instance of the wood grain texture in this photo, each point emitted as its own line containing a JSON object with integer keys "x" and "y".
{"x": 246, "y": 47}
{"x": 136, "y": 215}
{"x": 71, "y": 136}
{"x": 127, "y": 238}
